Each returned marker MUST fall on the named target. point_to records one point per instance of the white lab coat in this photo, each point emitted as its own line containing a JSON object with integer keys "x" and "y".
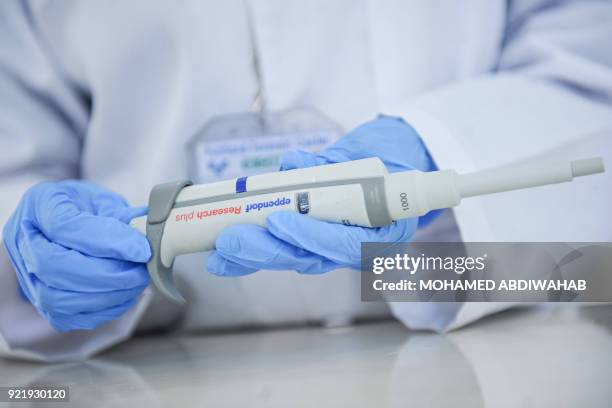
{"x": 111, "y": 91}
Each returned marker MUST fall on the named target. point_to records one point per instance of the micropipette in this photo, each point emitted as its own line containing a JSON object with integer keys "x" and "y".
{"x": 185, "y": 218}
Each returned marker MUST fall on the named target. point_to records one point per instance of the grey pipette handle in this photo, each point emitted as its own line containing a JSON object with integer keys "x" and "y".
{"x": 161, "y": 202}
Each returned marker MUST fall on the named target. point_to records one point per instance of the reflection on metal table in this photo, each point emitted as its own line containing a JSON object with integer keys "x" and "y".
{"x": 523, "y": 358}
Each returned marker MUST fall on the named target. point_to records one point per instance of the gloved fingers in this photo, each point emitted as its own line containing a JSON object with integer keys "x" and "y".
{"x": 331, "y": 241}
{"x": 70, "y": 302}
{"x": 338, "y": 243}
{"x": 96, "y": 200}
{"x": 68, "y": 269}
{"x": 26, "y": 285}
{"x": 254, "y": 247}
{"x": 124, "y": 214}
{"x": 87, "y": 196}
{"x": 428, "y": 218}
{"x": 10, "y": 236}
{"x": 220, "y": 266}
{"x": 391, "y": 139}
{"x": 299, "y": 159}
{"x": 83, "y": 191}
{"x": 87, "y": 320}
{"x": 397, "y": 144}
{"x": 62, "y": 221}
{"x": 398, "y": 231}
{"x": 130, "y": 213}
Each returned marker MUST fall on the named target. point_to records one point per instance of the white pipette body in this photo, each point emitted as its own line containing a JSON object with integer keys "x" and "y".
{"x": 361, "y": 192}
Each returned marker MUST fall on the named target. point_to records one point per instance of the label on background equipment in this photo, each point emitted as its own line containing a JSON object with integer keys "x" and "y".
{"x": 226, "y": 159}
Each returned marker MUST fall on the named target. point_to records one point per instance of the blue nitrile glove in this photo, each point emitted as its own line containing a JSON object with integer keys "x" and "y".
{"x": 297, "y": 242}
{"x": 76, "y": 258}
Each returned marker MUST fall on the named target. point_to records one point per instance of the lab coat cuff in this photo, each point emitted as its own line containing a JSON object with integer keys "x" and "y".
{"x": 473, "y": 311}
{"x": 448, "y": 152}
{"x": 24, "y": 334}
{"x": 431, "y": 316}
{"x": 443, "y": 317}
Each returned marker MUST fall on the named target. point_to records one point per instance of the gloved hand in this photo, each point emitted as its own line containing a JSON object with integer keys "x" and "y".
{"x": 77, "y": 261}
{"x": 297, "y": 242}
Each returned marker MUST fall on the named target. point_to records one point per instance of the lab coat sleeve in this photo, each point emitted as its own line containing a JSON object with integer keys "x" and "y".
{"x": 549, "y": 97}
{"x": 41, "y": 120}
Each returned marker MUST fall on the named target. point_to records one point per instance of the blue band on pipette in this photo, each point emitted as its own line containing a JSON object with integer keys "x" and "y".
{"x": 241, "y": 185}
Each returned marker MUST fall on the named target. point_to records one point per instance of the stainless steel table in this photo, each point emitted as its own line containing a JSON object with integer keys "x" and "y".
{"x": 521, "y": 358}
